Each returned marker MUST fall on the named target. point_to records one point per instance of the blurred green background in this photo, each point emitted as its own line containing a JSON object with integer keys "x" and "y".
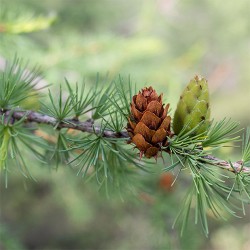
{"x": 161, "y": 43}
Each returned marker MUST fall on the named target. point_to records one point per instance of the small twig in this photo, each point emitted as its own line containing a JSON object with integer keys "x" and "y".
{"x": 235, "y": 167}
{"x": 88, "y": 126}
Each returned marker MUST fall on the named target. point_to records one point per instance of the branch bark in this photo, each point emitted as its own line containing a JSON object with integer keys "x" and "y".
{"x": 235, "y": 167}
{"x": 88, "y": 126}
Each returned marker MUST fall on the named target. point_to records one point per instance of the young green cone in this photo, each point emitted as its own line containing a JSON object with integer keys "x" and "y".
{"x": 193, "y": 107}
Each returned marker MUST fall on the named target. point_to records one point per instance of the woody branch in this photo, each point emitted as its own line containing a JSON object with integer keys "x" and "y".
{"x": 88, "y": 126}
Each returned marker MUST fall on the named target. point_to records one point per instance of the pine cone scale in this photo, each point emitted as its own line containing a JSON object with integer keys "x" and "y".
{"x": 132, "y": 124}
{"x": 136, "y": 113}
{"x": 152, "y": 151}
{"x": 140, "y": 142}
{"x": 159, "y": 135}
{"x": 165, "y": 112}
{"x": 141, "y": 102}
{"x": 166, "y": 123}
{"x": 150, "y": 120}
{"x": 146, "y": 132}
{"x": 155, "y": 107}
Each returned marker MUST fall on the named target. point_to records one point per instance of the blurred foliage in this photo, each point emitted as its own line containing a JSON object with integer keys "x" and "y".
{"x": 161, "y": 43}
{"x": 15, "y": 20}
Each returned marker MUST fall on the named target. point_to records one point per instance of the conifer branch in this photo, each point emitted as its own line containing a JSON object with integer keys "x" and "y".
{"x": 102, "y": 152}
{"x": 88, "y": 126}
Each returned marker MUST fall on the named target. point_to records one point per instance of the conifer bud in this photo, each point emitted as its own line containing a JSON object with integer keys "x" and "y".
{"x": 193, "y": 107}
{"x": 149, "y": 123}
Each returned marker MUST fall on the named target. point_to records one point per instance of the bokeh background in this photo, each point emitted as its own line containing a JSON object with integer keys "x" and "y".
{"x": 161, "y": 43}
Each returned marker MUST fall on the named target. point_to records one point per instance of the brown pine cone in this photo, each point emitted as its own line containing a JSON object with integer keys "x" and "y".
{"x": 149, "y": 124}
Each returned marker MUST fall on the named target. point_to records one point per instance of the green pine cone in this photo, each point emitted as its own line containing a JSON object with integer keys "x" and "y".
{"x": 193, "y": 107}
